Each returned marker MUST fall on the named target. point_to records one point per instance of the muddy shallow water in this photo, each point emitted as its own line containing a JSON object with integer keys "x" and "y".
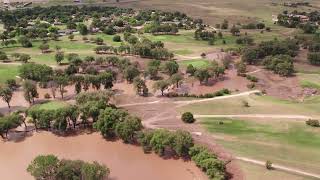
{"x": 125, "y": 161}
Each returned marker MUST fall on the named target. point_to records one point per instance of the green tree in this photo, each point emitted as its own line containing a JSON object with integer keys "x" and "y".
{"x": 161, "y": 85}
{"x": 176, "y": 79}
{"x": 44, "y": 47}
{"x": 187, "y": 117}
{"x": 59, "y": 57}
{"x": 182, "y": 142}
{"x": 25, "y": 42}
{"x": 83, "y": 29}
{"x": 24, "y": 58}
{"x": 62, "y": 82}
{"x": 116, "y": 38}
{"x": 130, "y": 73}
{"x": 191, "y": 69}
{"x": 202, "y": 75}
{"x": 314, "y": 58}
{"x": 140, "y": 86}
{"x": 106, "y": 79}
{"x": 108, "y": 120}
{"x": 127, "y": 129}
{"x": 171, "y": 67}
{"x": 44, "y": 167}
{"x": 30, "y": 91}
{"x": 6, "y": 94}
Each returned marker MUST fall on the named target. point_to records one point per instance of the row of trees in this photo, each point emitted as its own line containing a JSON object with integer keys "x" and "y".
{"x": 180, "y": 143}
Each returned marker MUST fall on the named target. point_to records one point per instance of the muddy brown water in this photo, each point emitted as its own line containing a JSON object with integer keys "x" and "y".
{"x": 125, "y": 161}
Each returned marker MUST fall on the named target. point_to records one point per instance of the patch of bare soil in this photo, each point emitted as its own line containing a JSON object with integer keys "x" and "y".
{"x": 278, "y": 86}
{"x": 230, "y": 81}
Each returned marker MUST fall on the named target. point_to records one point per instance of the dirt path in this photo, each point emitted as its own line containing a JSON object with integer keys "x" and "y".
{"x": 279, "y": 167}
{"x": 167, "y": 119}
{"x": 183, "y": 103}
{"x": 217, "y": 98}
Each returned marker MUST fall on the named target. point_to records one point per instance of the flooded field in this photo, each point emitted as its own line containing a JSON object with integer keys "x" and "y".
{"x": 125, "y": 161}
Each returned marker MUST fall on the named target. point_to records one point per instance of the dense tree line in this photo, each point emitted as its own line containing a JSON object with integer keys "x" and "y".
{"x": 50, "y": 167}
{"x": 275, "y": 55}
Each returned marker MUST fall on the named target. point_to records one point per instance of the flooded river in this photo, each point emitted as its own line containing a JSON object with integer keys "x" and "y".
{"x": 126, "y": 162}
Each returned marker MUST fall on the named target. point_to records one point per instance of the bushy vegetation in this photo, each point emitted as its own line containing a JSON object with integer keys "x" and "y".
{"x": 313, "y": 123}
{"x": 50, "y": 167}
{"x": 187, "y": 117}
{"x": 221, "y": 92}
{"x": 208, "y": 162}
{"x": 275, "y": 55}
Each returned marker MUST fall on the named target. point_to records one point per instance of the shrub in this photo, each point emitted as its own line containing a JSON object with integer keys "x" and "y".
{"x": 252, "y": 78}
{"x": 187, "y": 117}
{"x": 269, "y": 165}
{"x": 47, "y": 96}
{"x": 116, "y": 38}
{"x": 313, "y": 123}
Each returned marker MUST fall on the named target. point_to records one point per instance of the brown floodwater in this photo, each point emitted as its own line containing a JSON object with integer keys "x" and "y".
{"x": 126, "y": 162}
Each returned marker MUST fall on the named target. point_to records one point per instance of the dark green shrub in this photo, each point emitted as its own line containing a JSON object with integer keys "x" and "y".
{"x": 187, "y": 117}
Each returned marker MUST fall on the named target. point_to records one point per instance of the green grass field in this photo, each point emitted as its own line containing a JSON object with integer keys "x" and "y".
{"x": 253, "y": 172}
{"x": 258, "y": 105}
{"x": 8, "y": 72}
{"x": 51, "y": 105}
{"x": 309, "y": 80}
{"x": 197, "y": 63}
{"x": 285, "y": 142}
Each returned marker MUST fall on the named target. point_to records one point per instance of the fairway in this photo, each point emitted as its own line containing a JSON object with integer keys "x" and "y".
{"x": 286, "y": 142}
{"x": 253, "y": 172}
{"x": 8, "y": 72}
{"x": 197, "y": 63}
{"x": 258, "y": 105}
{"x": 51, "y": 105}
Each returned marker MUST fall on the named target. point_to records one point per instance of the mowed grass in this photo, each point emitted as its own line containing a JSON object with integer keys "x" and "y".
{"x": 51, "y": 105}
{"x": 258, "y": 105}
{"x": 254, "y": 172}
{"x": 8, "y": 72}
{"x": 197, "y": 63}
{"x": 309, "y": 80}
{"x": 183, "y": 51}
{"x": 285, "y": 142}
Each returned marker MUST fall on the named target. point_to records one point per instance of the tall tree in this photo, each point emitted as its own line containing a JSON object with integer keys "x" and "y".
{"x": 6, "y": 95}
{"x": 30, "y": 91}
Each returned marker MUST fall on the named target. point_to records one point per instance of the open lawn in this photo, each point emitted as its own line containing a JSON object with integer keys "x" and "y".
{"x": 285, "y": 142}
{"x": 309, "y": 80}
{"x": 8, "y": 72}
{"x": 51, "y": 105}
{"x": 258, "y": 105}
{"x": 253, "y": 172}
{"x": 197, "y": 63}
